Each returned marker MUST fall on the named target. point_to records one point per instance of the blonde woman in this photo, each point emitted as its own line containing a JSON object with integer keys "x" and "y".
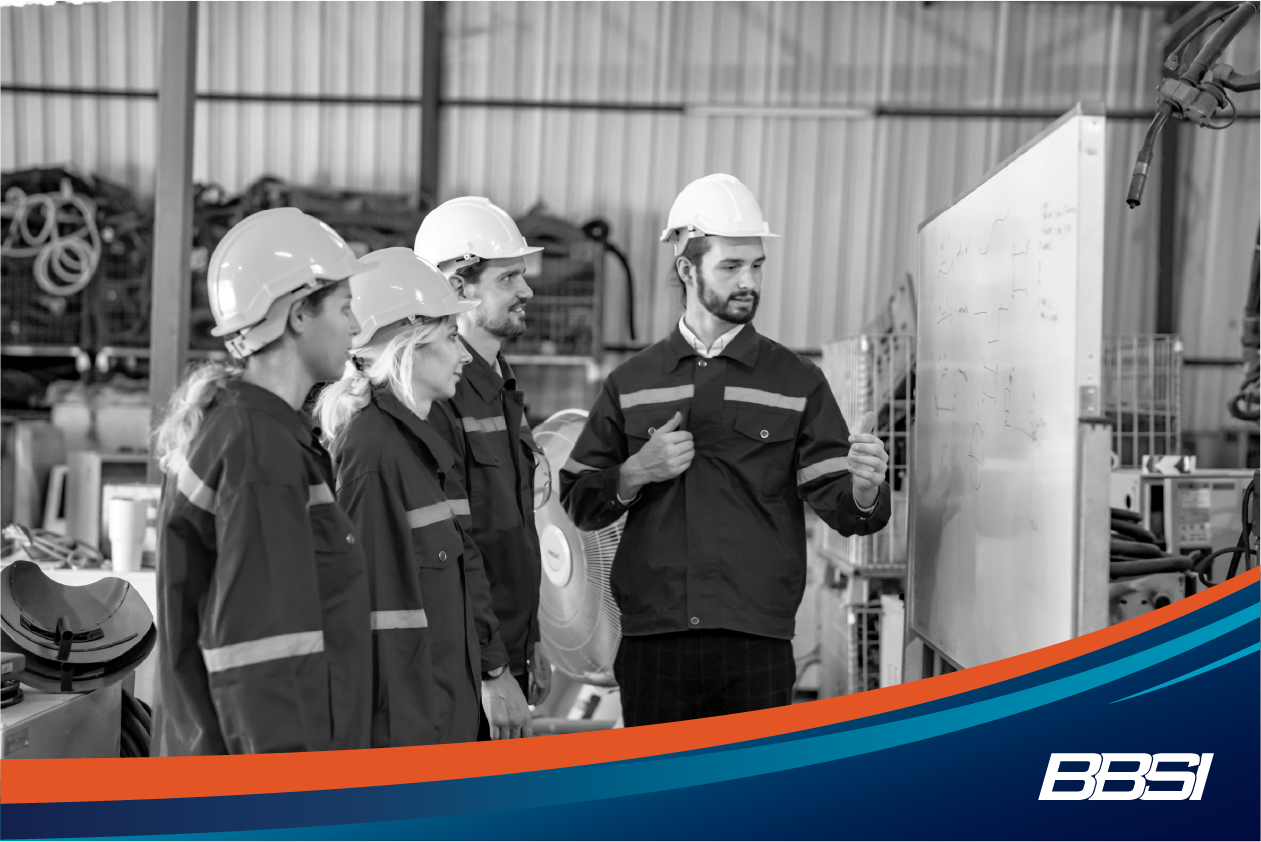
{"x": 432, "y": 620}
{"x": 262, "y": 589}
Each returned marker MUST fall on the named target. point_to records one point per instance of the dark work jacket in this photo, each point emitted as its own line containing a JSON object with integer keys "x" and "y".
{"x": 722, "y": 545}
{"x": 263, "y": 624}
{"x": 495, "y": 458}
{"x": 429, "y": 591}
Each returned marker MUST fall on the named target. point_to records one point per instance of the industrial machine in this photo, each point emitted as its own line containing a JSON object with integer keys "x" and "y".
{"x": 1196, "y": 90}
{"x": 70, "y": 653}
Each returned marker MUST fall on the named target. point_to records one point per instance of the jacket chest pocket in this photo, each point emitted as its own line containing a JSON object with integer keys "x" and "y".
{"x": 763, "y": 445}
{"x": 492, "y": 484}
{"x": 339, "y": 560}
{"x": 641, "y": 425}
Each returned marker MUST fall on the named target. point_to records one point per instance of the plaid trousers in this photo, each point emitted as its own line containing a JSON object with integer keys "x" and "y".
{"x": 708, "y": 672}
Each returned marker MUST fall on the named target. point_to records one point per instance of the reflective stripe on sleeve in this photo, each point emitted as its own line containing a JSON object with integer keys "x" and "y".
{"x": 835, "y": 465}
{"x": 460, "y": 507}
{"x": 262, "y": 650}
{"x": 320, "y": 495}
{"x": 383, "y": 620}
{"x": 649, "y": 396}
{"x": 191, "y": 486}
{"x": 484, "y": 425}
{"x": 577, "y": 467}
{"x": 438, "y": 512}
{"x": 757, "y": 396}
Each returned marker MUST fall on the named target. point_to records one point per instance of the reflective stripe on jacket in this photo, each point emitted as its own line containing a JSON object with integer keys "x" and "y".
{"x": 495, "y": 458}
{"x": 723, "y": 544}
{"x": 263, "y": 629}
{"x": 430, "y": 597}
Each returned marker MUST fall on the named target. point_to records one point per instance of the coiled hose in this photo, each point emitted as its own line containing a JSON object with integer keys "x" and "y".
{"x": 137, "y": 729}
{"x": 66, "y": 245}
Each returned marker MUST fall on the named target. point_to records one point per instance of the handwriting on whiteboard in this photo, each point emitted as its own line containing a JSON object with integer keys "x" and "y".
{"x": 989, "y": 288}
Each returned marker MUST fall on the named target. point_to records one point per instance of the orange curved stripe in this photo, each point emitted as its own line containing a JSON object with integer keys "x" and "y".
{"x": 114, "y": 779}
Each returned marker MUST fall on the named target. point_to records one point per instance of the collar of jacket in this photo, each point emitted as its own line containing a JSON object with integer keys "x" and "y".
{"x": 387, "y": 403}
{"x": 481, "y": 375}
{"x": 250, "y": 396}
{"x": 743, "y": 348}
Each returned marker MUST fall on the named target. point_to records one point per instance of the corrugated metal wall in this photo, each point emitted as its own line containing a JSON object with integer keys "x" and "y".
{"x": 285, "y": 48}
{"x": 848, "y": 191}
{"x": 712, "y": 82}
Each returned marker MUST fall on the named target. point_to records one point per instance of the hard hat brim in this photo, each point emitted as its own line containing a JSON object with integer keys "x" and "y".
{"x": 364, "y": 339}
{"x": 671, "y": 235}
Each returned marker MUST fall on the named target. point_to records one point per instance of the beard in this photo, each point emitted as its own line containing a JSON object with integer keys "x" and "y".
{"x": 503, "y": 326}
{"x": 724, "y": 308}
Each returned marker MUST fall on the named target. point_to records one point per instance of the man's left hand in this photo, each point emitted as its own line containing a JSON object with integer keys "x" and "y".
{"x": 868, "y": 462}
{"x": 540, "y": 675}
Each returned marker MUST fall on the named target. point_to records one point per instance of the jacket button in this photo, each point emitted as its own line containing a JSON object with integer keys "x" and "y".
{"x": 652, "y": 431}
{"x": 702, "y": 363}
{"x": 350, "y": 539}
{"x": 696, "y": 621}
{"x": 442, "y": 555}
{"x": 765, "y": 434}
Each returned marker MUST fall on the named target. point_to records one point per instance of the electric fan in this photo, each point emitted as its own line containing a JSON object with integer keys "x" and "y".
{"x": 579, "y": 622}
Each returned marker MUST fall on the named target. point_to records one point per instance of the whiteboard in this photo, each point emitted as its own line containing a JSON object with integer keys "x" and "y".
{"x": 1010, "y": 331}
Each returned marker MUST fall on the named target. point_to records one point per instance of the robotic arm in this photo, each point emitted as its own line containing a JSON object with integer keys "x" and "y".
{"x": 1197, "y": 93}
{"x": 1246, "y": 406}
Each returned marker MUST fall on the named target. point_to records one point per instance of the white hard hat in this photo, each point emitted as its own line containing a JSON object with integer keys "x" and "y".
{"x": 718, "y": 205}
{"x": 399, "y": 285}
{"x": 467, "y": 228}
{"x": 273, "y": 257}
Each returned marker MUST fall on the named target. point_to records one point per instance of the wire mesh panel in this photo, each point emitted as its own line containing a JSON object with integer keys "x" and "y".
{"x": 32, "y": 315}
{"x": 560, "y": 318}
{"x": 1142, "y": 383}
{"x": 864, "y": 647}
{"x": 876, "y": 373}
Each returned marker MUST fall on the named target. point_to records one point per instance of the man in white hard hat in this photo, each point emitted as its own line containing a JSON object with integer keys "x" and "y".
{"x": 478, "y": 246}
{"x": 709, "y": 441}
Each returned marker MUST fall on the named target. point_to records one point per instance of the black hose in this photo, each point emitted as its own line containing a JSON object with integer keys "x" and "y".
{"x": 1138, "y": 179}
{"x": 598, "y": 230}
{"x": 1242, "y": 548}
{"x": 137, "y": 727}
{"x": 630, "y": 287}
{"x": 127, "y": 745}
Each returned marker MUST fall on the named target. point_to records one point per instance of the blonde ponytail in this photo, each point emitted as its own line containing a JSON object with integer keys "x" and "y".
{"x": 339, "y": 402}
{"x": 389, "y": 364}
{"x": 186, "y": 411}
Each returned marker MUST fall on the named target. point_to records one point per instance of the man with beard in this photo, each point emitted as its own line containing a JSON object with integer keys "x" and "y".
{"x": 479, "y": 248}
{"x": 709, "y": 441}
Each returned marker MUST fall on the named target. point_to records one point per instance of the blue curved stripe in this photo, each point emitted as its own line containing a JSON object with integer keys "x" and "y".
{"x": 676, "y": 772}
{"x": 1256, "y": 647}
{"x": 450, "y": 808}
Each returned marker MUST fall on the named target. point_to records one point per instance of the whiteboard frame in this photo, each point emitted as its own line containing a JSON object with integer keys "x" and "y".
{"x": 1093, "y": 442}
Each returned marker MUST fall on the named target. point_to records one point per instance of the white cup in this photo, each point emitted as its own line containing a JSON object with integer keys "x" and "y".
{"x": 128, "y": 520}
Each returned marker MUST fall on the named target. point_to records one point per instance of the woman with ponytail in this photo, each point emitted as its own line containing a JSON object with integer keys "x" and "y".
{"x": 432, "y": 623}
{"x": 263, "y": 611}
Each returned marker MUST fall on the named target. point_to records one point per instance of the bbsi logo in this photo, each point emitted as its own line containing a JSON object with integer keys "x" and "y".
{"x": 1089, "y": 783}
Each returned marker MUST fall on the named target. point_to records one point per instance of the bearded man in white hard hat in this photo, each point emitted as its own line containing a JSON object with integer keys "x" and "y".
{"x": 478, "y": 246}
{"x": 709, "y": 441}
